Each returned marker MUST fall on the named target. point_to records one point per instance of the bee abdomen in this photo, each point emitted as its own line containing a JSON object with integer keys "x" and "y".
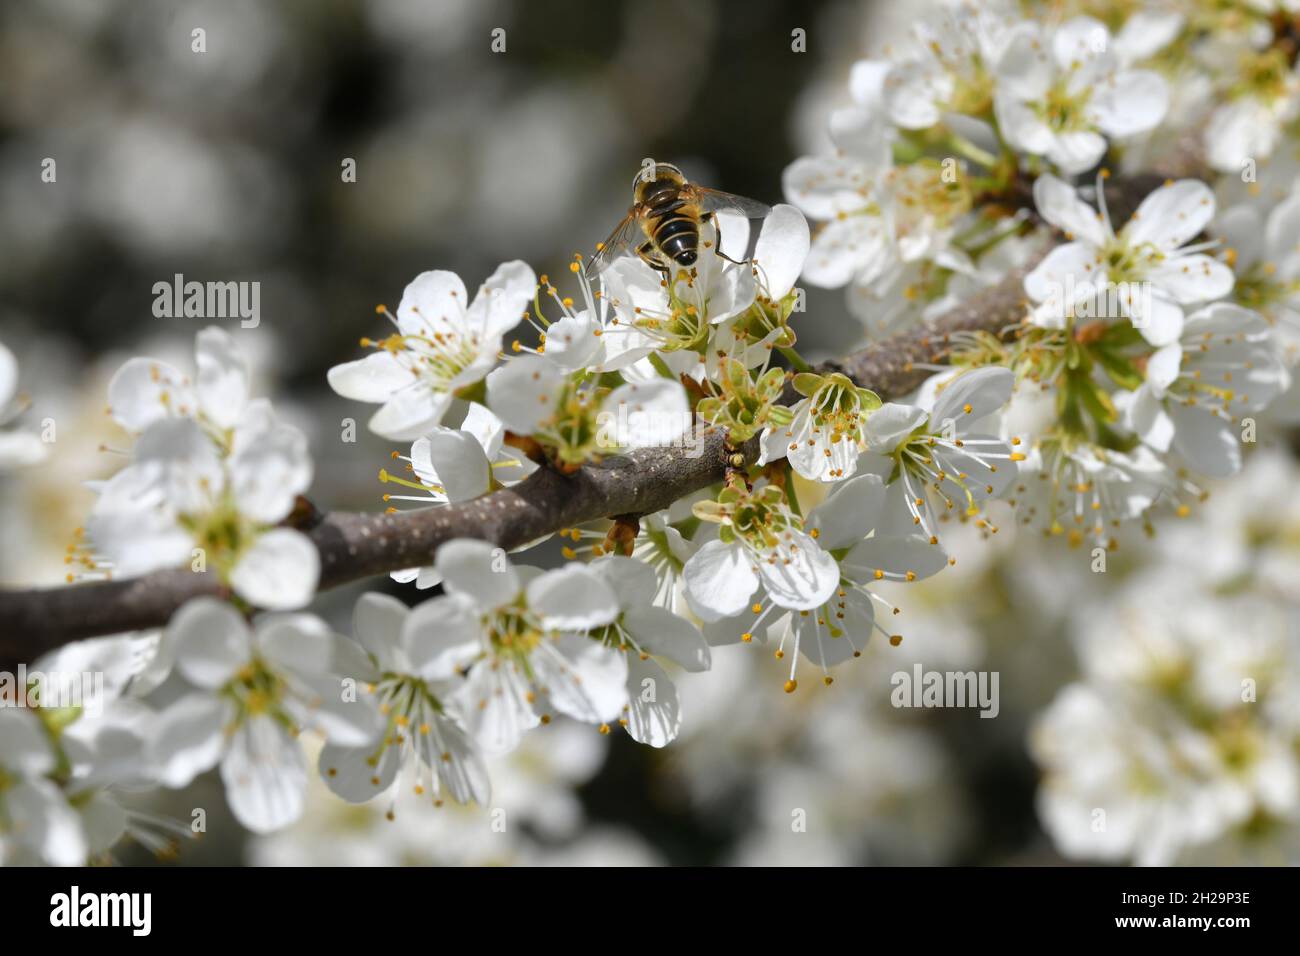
{"x": 679, "y": 238}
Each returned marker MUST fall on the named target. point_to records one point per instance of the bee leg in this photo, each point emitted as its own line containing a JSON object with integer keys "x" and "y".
{"x": 717, "y": 226}
{"x": 648, "y": 255}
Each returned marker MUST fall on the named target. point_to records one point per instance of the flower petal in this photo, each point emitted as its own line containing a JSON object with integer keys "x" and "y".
{"x": 1195, "y": 278}
{"x": 972, "y": 395}
{"x": 897, "y": 555}
{"x": 410, "y": 413}
{"x": 501, "y": 300}
{"x": 223, "y": 376}
{"x": 42, "y": 819}
{"x": 479, "y": 570}
{"x": 1059, "y": 204}
{"x": 332, "y": 707}
{"x": 801, "y": 576}
{"x": 719, "y": 581}
{"x": 1077, "y": 152}
{"x": 890, "y": 424}
{"x": 1172, "y": 215}
{"x": 377, "y": 621}
{"x": 458, "y": 463}
{"x": 188, "y": 738}
{"x": 1159, "y": 319}
{"x": 572, "y": 598}
{"x": 358, "y": 774}
{"x": 441, "y": 636}
{"x": 269, "y": 471}
{"x": 279, "y": 572}
{"x": 494, "y": 702}
{"x": 650, "y": 414}
{"x": 265, "y": 775}
{"x": 653, "y": 710}
{"x": 1133, "y": 103}
{"x": 24, "y": 746}
{"x": 522, "y": 393}
{"x": 375, "y": 378}
{"x": 849, "y": 512}
{"x": 1207, "y": 442}
{"x": 583, "y": 678}
{"x": 212, "y": 641}
{"x": 782, "y": 247}
{"x": 853, "y": 248}
{"x": 144, "y": 391}
{"x": 660, "y": 632}
{"x": 432, "y": 302}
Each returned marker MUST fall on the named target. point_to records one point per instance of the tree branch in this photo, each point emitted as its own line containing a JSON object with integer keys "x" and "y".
{"x": 359, "y": 545}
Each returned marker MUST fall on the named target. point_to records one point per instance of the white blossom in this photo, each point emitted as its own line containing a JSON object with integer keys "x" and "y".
{"x": 1224, "y": 365}
{"x": 443, "y": 343}
{"x": 422, "y": 737}
{"x": 35, "y": 815}
{"x": 1147, "y": 268}
{"x": 212, "y": 474}
{"x": 254, "y": 689}
{"x": 514, "y": 633}
{"x": 18, "y": 447}
{"x": 1062, "y": 93}
{"x": 947, "y": 458}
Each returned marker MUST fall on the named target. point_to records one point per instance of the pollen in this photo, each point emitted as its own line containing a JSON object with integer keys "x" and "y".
{"x": 790, "y": 686}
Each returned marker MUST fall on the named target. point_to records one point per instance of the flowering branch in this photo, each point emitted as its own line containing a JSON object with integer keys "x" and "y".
{"x": 354, "y": 545}
{"x": 708, "y": 484}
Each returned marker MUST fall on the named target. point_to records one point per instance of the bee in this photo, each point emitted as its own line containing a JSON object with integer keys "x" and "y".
{"x": 663, "y": 225}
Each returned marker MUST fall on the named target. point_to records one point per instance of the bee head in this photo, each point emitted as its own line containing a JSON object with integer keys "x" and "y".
{"x": 660, "y": 173}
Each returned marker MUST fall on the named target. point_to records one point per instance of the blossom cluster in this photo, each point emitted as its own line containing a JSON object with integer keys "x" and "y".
{"x": 979, "y": 152}
{"x": 1177, "y": 744}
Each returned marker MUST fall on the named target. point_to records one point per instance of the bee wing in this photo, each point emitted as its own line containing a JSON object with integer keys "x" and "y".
{"x": 619, "y": 242}
{"x": 715, "y": 200}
